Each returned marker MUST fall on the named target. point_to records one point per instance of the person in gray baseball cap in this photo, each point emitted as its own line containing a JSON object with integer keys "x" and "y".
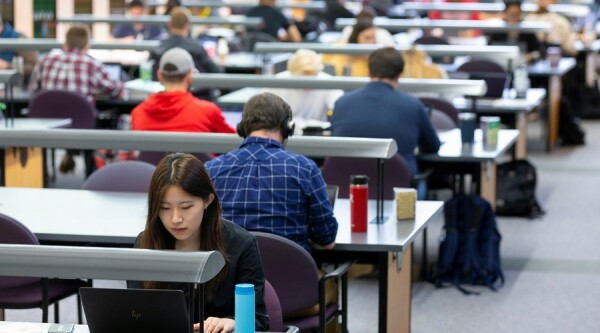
{"x": 175, "y": 109}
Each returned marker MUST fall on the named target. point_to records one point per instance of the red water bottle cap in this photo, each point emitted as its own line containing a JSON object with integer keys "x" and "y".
{"x": 359, "y": 180}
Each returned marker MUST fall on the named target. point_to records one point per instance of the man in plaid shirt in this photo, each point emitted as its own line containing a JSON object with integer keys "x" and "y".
{"x": 263, "y": 187}
{"x": 73, "y": 70}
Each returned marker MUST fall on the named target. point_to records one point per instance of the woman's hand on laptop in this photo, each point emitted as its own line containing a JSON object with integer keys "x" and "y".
{"x": 217, "y": 325}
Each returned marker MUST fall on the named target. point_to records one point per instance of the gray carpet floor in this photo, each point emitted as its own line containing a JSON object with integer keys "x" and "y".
{"x": 551, "y": 264}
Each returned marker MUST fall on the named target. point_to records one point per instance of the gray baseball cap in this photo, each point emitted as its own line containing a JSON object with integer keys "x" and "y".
{"x": 176, "y": 61}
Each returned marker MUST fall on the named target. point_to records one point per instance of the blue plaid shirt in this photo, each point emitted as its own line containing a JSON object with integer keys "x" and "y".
{"x": 263, "y": 187}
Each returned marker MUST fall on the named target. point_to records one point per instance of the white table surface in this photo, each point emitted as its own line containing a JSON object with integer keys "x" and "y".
{"x": 80, "y": 216}
{"x": 452, "y": 149}
{"x": 508, "y": 104}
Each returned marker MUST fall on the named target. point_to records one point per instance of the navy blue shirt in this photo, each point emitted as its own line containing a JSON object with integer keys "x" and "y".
{"x": 273, "y": 19}
{"x": 377, "y": 110}
{"x": 263, "y": 187}
{"x": 8, "y": 32}
{"x": 150, "y": 32}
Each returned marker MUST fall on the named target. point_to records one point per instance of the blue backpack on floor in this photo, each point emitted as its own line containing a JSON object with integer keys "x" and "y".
{"x": 469, "y": 253}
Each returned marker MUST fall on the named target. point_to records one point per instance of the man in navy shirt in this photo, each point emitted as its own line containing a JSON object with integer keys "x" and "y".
{"x": 129, "y": 32}
{"x": 274, "y": 22}
{"x": 263, "y": 187}
{"x": 379, "y": 110}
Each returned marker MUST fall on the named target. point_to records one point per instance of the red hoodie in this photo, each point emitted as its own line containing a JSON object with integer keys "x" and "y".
{"x": 178, "y": 111}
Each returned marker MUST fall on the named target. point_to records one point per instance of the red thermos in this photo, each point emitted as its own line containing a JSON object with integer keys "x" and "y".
{"x": 359, "y": 197}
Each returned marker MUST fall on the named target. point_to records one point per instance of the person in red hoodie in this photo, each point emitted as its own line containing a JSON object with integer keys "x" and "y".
{"x": 176, "y": 109}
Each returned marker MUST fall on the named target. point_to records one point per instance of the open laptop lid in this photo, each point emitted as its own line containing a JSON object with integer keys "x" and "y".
{"x": 496, "y": 82}
{"x": 332, "y": 193}
{"x": 135, "y": 310}
{"x": 114, "y": 70}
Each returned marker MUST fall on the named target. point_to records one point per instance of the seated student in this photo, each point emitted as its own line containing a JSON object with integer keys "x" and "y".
{"x": 561, "y": 33}
{"x": 307, "y": 103}
{"x": 72, "y": 69}
{"x": 263, "y": 187}
{"x": 274, "y": 22}
{"x": 184, "y": 214}
{"x": 382, "y": 36}
{"x": 378, "y": 110}
{"x": 527, "y": 41}
{"x": 363, "y": 32}
{"x": 418, "y": 66}
{"x": 129, "y": 32}
{"x": 30, "y": 57}
{"x": 176, "y": 109}
{"x": 334, "y": 10}
{"x": 179, "y": 30}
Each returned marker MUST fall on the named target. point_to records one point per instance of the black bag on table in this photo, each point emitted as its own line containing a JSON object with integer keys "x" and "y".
{"x": 515, "y": 190}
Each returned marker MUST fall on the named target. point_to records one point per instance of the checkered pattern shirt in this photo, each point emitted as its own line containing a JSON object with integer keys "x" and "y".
{"x": 263, "y": 187}
{"x": 73, "y": 70}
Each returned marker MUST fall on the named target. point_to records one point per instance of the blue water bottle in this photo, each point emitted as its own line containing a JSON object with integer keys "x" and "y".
{"x": 244, "y": 308}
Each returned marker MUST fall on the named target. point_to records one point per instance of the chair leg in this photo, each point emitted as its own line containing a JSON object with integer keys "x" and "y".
{"x": 424, "y": 263}
{"x": 53, "y": 166}
{"x": 345, "y": 303}
{"x": 56, "y": 314}
{"x": 44, "y": 313}
{"x": 79, "y": 312}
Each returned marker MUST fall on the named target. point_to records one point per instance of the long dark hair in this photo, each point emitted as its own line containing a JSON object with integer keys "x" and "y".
{"x": 359, "y": 27}
{"x": 188, "y": 173}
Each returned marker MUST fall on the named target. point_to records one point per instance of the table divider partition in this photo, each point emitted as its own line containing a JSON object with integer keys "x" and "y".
{"x": 75, "y": 262}
{"x": 161, "y": 20}
{"x": 379, "y": 149}
{"x": 485, "y": 25}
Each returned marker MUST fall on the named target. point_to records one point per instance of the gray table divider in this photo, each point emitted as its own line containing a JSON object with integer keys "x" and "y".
{"x": 315, "y": 6}
{"x": 160, "y": 20}
{"x": 485, "y": 25}
{"x": 570, "y": 10}
{"x": 45, "y": 44}
{"x": 74, "y": 262}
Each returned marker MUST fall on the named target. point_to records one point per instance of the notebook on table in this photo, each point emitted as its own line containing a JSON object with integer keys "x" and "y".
{"x": 135, "y": 310}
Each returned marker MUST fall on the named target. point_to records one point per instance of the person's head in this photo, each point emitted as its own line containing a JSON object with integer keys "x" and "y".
{"x": 270, "y": 3}
{"x": 512, "y": 11}
{"x": 367, "y": 13}
{"x": 170, "y": 5}
{"x": 135, "y": 8}
{"x": 266, "y": 112}
{"x": 179, "y": 22}
{"x": 1, "y": 24}
{"x": 363, "y": 32}
{"x": 175, "y": 69}
{"x": 183, "y": 208}
{"x": 543, "y": 5}
{"x": 305, "y": 63}
{"x": 78, "y": 37}
{"x": 415, "y": 61}
{"x": 385, "y": 63}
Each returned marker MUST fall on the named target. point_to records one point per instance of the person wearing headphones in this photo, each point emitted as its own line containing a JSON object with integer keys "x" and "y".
{"x": 263, "y": 187}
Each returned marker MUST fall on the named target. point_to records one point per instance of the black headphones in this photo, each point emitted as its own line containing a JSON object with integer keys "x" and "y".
{"x": 287, "y": 126}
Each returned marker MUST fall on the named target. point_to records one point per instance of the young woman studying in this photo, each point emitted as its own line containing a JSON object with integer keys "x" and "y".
{"x": 184, "y": 214}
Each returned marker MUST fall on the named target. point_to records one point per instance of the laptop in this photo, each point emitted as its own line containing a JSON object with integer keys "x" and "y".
{"x": 332, "y": 193}
{"x": 114, "y": 71}
{"x": 135, "y": 310}
{"x": 496, "y": 82}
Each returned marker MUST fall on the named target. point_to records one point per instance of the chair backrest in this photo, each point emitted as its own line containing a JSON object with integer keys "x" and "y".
{"x": 273, "y": 309}
{"x": 443, "y": 106}
{"x": 480, "y": 66}
{"x": 124, "y": 176}
{"x": 254, "y": 37}
{"x": 14, "y": 232}
{"x": 441, "y": 121}
{"x": 431, "y": 40}
{"x": 63, "y": 104}
{"x": 291, "y": 271}
{"x": 337, "y": 170}
{"x": 153, "y": 157}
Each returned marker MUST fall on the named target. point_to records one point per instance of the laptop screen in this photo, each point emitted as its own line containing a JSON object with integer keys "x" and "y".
{"x": 113, "y": 70}
{"x": 496, "y": 82}
{"x": 332, "y": 193}
{"x": 135, "y": 310}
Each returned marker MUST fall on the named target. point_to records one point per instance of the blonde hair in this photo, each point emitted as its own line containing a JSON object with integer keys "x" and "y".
{"x": 305, "y": 62}
{"x": 416, "y": 66}
{"x": 180, "y": 17}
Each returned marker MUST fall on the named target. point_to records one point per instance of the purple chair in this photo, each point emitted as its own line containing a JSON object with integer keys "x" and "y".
{"x": 431, "y": 40}
{"x": 274, "y": 311}
{"x": 441, "y": 121}
{"x": 153, "y": 157}
{"x": 443, "y": 106}
{"x": 28, "y": 292}
{"x": 124, "y": 176}
{"x": 337, "y": 170}
{"x": 480, "y": 66}
{"x": 65, "y": 104}
{"x": 294, "y": 276}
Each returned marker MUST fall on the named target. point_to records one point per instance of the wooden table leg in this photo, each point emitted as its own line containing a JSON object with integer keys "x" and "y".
{"x": 24, "y": 167}
{"x": 1, "y": 314}
{"x": 399, "y": 292}
{"x": 554, "y": 87}
{"x": 521, "y": 146}
{"x": 487, "y": 187}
